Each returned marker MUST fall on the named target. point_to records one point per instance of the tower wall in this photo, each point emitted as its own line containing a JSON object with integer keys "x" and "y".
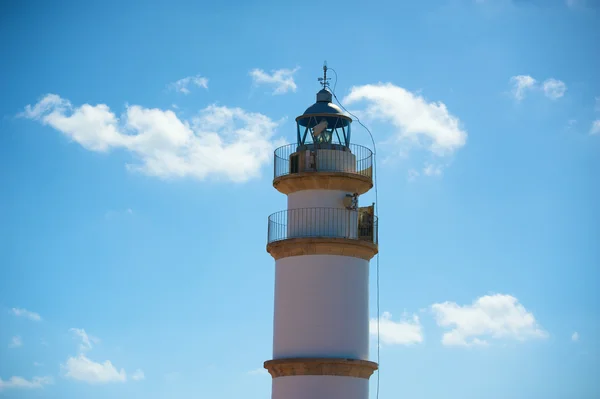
{"x": 321, "y": 307}
{"x": 320, "y": 386}
{"x": 316, "y": 199}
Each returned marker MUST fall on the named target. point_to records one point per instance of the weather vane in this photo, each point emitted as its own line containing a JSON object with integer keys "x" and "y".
{"x": 324, "y": 80}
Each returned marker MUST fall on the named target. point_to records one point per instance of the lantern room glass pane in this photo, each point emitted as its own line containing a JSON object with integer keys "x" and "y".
{"x": 323, "y": 130}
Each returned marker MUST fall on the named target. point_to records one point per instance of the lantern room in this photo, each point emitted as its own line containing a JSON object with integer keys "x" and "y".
{"x": 324, "y": 124}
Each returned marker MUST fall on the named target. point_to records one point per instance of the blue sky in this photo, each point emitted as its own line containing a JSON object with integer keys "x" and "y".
{"x": 137, "y": 184}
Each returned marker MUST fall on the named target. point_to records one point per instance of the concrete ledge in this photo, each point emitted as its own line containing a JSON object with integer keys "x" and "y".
{"x": 322, "y": 246}
{"x": 320, "y": 366}
{"x": 342, "y": 181}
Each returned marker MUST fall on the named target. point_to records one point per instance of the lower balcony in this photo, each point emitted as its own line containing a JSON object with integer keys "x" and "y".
{"x": 335, "y": 231}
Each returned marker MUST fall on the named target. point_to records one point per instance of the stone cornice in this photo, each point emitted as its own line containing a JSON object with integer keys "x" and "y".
{"x": 320, "y": 366}
{"x": 342, "y": 181}
{"x": 322, "y": 246}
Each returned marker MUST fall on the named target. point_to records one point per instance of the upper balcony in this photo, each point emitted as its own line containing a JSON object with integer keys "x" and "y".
{"x": 323, "y": 166}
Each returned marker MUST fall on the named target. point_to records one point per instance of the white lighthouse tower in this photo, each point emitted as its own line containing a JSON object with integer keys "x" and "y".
{"x": 322, "y": 245}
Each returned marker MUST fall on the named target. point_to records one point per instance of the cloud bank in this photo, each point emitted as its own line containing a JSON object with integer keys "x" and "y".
{"x": 523, "y": 84}
{"x": 184, "y": 85}
{"x": 26, "y": 313}
{"x": 403, "y": 332}
{"x": 488, "y": 317}
{"x": 220, "y": 142}
{"x": 281, "y": 80}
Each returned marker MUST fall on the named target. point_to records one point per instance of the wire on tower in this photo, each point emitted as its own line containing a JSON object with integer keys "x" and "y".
{"x": 376, "y": 206}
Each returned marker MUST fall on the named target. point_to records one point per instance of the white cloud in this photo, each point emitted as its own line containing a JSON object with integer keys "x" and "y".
{"x": 259, "y": 371}
{"x": 432, "y": 170}
{"x": 554, "y": 88}
{"x": 86, "y": 340}
{"x": 573, "y": 3}
{"x": 595, "y": 129}
{"x": 15, "y": 342}
{"x": 495, "y": 316}
{"x": 50, "y": 103}
{"x": 26, "y": 313}
{"x": 281, "y": 79}
{"x": 220, "y": 142}
{"x": 575, "y": 336}
{"x": 403, "y": 332}
{"x": 138, "y": 375}
{"x": 20, "y": 382}
{"x": 183, "y": 85}
{"x": 521, "y": 84}
{"x": 417, "y": 121}
{"x": 83, "y": 369}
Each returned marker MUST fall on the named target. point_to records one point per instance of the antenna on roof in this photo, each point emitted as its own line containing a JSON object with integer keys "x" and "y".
{"x": 324, "y": 80}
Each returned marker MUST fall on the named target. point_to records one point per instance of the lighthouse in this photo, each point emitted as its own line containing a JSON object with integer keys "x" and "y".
{"x": 322, "y": 245}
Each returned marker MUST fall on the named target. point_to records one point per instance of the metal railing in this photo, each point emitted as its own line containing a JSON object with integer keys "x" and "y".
{"x": 354, "y": 159}
{"x": 357, "y": 224}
